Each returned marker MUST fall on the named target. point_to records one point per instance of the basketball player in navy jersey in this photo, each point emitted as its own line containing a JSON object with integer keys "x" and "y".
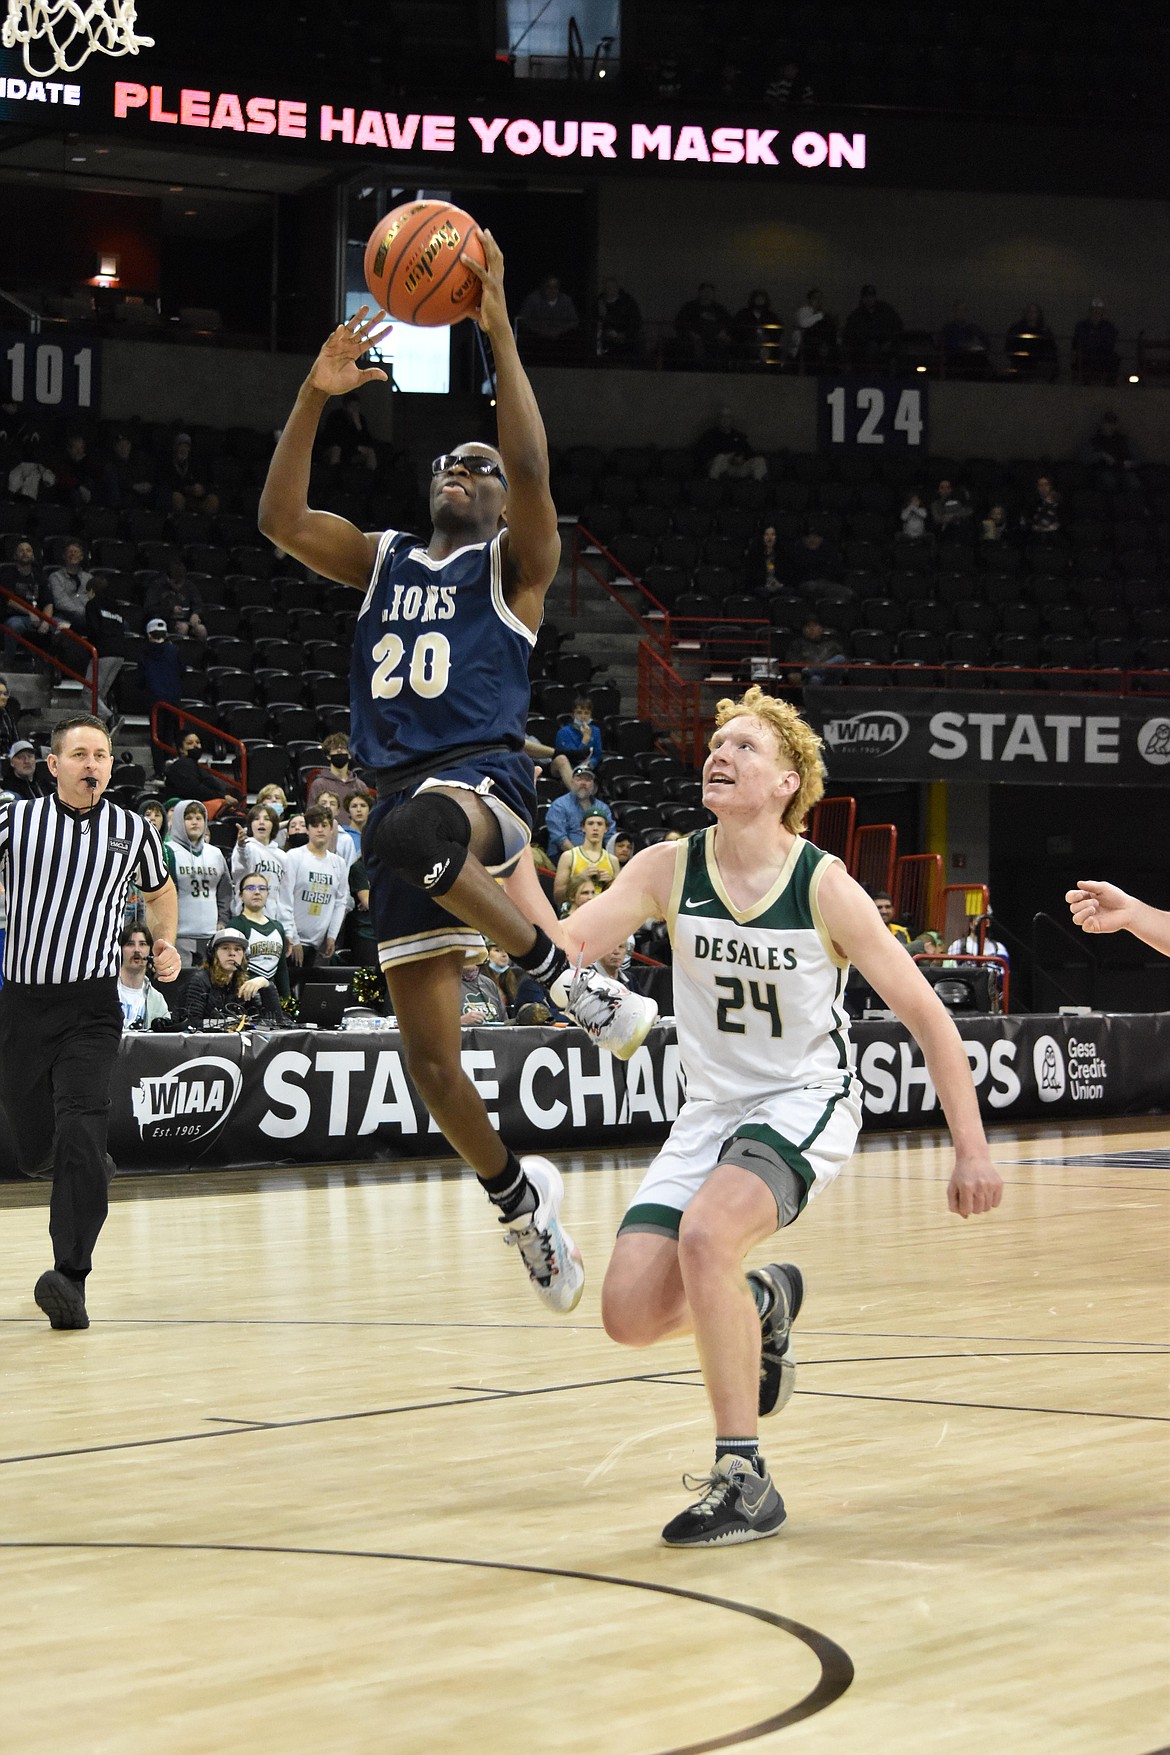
{"x": 439, "y": 699}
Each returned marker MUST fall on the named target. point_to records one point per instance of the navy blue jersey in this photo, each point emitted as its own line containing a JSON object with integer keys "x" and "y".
{"x": 439, "y": 660}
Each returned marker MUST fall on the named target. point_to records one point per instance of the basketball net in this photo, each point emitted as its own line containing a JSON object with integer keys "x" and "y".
{"x": 69, "y": 32}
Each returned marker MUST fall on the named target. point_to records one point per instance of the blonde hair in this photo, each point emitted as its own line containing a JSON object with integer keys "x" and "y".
{"x": 797, "y": 740}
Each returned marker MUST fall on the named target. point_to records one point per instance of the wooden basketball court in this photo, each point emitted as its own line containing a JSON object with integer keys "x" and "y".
{"x": 323, "y": 1476}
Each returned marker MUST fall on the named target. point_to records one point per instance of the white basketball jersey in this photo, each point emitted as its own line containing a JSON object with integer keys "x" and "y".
{"x": 758, "y": 993}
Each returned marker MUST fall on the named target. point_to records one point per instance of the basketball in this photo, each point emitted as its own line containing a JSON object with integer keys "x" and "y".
{"x": 412, "y": 264}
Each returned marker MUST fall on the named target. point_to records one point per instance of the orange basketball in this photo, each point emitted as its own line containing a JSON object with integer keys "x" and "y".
{"x": 412, "y": 264}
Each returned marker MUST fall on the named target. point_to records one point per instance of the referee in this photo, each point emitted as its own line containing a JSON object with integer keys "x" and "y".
{"x": 67, "y": 862}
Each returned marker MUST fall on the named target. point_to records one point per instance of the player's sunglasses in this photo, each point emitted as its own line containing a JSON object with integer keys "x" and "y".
{"x": 474, "y": 465}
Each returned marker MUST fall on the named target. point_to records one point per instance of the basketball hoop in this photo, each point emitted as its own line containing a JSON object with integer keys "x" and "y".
{"x": 70, "y": 32}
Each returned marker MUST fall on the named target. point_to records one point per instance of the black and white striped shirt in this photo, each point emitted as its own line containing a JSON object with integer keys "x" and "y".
{"x": 66, "y": 874}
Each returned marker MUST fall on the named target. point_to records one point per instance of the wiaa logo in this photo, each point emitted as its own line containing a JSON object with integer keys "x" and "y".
{"x": 1154, "y": 742}
{"x": 189, "y": 1102}
{"x": 877, "y": 733}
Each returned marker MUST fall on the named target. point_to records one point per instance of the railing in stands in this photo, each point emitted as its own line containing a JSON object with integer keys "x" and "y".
{"x": 918, "y": 881}
{"x": 640, "y": 610}
{"x": 76, "y": 644}
{"x": 832, "y": 826}
{"x": 670, "y": 704}
{"x": 184, "y": 721}
{"x": 875, "y": 848}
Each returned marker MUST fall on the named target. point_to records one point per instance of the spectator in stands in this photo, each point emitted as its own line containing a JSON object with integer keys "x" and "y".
{"x": 105, "y": 629}
{"x": 9, "y": 718}
{"x": 813, "y": 336}
{"x": 884, "y": 903}
{"x": 994, "y": 528}
{"x": 151, "y": 808}
{"x": 1109, "y": 449}
{"x": 201, "y": 878}
{"x": 223, "y": 996}
{"x": 762, "y": 571}
{"x": 23, "y": 775}
{"x": 966, "y": 348}
{"x": 722, "y": 450}
{"x": 590, "y": 856}
{"x": 142, "y": 1003}
{"x": 547, "y": 323}
{"x": 69, "y": 587}
{"x": 361, "y": 938}
{"x": 1094, "y": 347}
{"x": 482, "y": 1001}
{"x": 181, "y": 487}
{"x": 274, "y": 795}
{"x": 813, "y": 646}
{"x": 928, "y": 944}
{"x": 577, "y": 744}
{"x": 355, "y": 805}
{"x": 79, "y": 480}
{"x": 339, "y": 842}
{"x": 1031, "y": 346}
{"x": 972, "y": 944}
{"x": 176, "y": 599}
{"x": 757, "y": 332}
{"x": 788, "y": 87}
{"x": 313, "y": 894}
{"x": 293, "y": 832}
{"x": 345, "y": 437}
{"x": 914, "y": 519}
{"x": 160, "y": 669}
{"x": 256, "y": 850}
{"x": 621, "y": 847}
{"x": 185, "y": 777}
{"x": 30, "y": 475}
{"x": 1044, "y": 517}
{"x": 619, "y": 322}
{"x": 338, "y": 778}
{"x": 703, "y": 327}
{"x": 581, "y": 890}
{"x": 616, "y": 962}
{"x": 814, "y": 564}
{"x": 129, "y": 476}
{"x": 564, "y": 825}
{"x": 26, "y": 580}
{"x": 872, "y": 333}
{"x": 950, "y": 510}
{"x": 265, "y": 948}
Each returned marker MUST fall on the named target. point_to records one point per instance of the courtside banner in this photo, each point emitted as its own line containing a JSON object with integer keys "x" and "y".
{"x": 1001, "y": 736}
{"x": 313, "y": 1097}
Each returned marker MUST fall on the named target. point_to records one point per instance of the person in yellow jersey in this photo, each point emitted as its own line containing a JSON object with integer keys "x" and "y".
{"x": 590, "y": 858}
{"x": 763, "y": 927}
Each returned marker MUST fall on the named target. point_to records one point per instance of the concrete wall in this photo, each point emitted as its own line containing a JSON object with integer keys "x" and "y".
{"x": 218, "y": 387}
{"x": 923, "y": 249}
{"x": 966, "y": 420}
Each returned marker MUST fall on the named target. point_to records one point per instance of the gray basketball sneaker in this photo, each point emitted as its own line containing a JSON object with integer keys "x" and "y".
{"x": 777, "y": 1365}
{"x": 62, "y": 1300}
{"x": 548, "y": 1252}
{"x": 736, "y": 1505}
{"x": 614, "y": 1016}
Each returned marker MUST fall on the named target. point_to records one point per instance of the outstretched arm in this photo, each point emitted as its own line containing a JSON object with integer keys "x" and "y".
{"x": 1097, "y": 907}
{"x": 532, "y": 549}
{"x": 328, "y": 544}
{"x": 858, "y": 932}
{"x": 640, "y": 892}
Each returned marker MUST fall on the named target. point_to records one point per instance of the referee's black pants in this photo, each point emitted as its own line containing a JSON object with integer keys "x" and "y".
{"x": 57, "y": 1050}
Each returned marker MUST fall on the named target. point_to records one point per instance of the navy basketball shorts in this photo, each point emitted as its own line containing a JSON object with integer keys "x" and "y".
{"x": 409, "y": 924}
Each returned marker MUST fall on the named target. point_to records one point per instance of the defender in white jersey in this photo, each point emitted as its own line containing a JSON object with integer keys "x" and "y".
{"x": 763, "y": 927}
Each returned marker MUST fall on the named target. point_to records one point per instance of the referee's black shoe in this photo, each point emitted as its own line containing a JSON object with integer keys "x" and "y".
{"x": 62, "y": 1300}
{"x": 777, "y": 1366}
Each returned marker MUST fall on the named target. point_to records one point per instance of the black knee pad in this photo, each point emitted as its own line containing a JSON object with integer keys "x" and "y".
{"x": 424, "y": 841}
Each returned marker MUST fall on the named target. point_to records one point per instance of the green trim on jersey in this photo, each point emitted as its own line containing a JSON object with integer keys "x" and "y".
{"x": 652, "y": 1216}
{"x": 790, "y": 904}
